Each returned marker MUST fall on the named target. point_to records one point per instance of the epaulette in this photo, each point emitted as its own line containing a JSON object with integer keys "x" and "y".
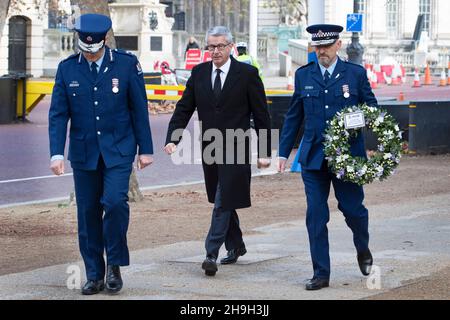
{"x": 128, "y": 53}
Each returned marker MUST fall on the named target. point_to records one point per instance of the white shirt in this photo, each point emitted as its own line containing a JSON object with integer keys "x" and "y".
{"x": 223, "y": 75}
{"x": 330, "y": 68}
{"x": 98, "y": 62}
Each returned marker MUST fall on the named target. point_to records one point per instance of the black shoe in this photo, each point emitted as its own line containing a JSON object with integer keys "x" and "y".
{"x": 233, "y": 255}
{"x": 365, "y": 262}
{"x": 113, "y": 279}
{"x": 210, "y": 266}
{"x": 93, "y": 287}
{"x": 316, "y": 284}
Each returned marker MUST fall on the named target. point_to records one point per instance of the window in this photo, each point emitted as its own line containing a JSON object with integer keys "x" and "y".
{"x": 425, "y": 9}
{"x": 392, "y": 17}
{"x": 155, "y": 43}
{"x": 128, "y": 43}
{"x": 169, "y": 9}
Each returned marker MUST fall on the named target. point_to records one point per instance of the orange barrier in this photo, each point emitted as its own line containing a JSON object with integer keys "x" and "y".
{"x": 193, "y": 58}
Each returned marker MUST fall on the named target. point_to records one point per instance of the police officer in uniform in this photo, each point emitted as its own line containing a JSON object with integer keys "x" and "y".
{"x": 321, "y": 90}
{"x": 101, "y": 91}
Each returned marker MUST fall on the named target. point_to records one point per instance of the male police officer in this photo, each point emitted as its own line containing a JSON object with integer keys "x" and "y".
{"x": 321, "y": 90}
{"x": 101, "y": 91}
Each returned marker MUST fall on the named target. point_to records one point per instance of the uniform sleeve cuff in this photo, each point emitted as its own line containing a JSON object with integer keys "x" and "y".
{"x": 57, "y": 157}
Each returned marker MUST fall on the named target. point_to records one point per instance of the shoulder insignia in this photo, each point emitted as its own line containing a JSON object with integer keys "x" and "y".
{"x": 128, "y": 53}
{"x": 138, "y": 67}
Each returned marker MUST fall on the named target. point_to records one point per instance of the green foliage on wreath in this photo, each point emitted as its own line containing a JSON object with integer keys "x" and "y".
{"x": 359, "y": 170}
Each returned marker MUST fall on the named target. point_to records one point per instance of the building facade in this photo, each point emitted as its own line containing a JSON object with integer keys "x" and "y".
{"x": 22, "y": 42}
{"x": 389, "y": 27}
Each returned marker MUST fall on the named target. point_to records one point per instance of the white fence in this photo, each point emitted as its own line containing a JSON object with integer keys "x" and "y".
{"x": 57, "y": 46}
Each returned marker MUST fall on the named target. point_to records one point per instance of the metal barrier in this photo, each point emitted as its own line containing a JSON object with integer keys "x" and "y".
{"x": 425, "y": 124}
{"x": 429, "y": 127}
{"x": 37, "y": 90}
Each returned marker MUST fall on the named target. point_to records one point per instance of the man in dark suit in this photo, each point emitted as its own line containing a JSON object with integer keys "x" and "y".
{"x": 225, "y": 93}
{"x": 321, "y": 90}
{"x": 101, "y": 91}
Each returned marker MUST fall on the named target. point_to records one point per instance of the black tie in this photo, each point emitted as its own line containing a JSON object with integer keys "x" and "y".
{"x": 94, "y": 70}
{"x": 217, "y": 84}
{"x": 326, "y": 76}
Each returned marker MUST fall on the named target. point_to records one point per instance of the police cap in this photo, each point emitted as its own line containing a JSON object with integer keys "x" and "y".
{"x": 92, "y": 29}
{"x": 324, "y": 34}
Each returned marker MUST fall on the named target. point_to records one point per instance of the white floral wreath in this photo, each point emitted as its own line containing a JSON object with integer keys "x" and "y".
{"x": 357, "y": 169}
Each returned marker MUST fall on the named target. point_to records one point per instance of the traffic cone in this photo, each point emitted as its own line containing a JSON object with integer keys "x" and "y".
{"x": 369, "y": 74}
{"x": 443, "y": 80}
{"x": 394, "y": 81}
{"x": 290, "y": 84}
{"x": 427, "y": 80}
{"x": 416, "y": 82}
{"x": 394, "y": 76}
{"x": 374, "y": 81}
{"x": 387, "y": 79}
{"x": 401, "y": 96}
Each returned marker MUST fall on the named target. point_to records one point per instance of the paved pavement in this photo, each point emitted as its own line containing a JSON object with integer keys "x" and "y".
{"x": 408, "y": 241}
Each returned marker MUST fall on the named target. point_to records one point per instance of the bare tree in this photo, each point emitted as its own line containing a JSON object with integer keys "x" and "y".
{"x": 292, "y": 12}
{"x": 4, "y": 6}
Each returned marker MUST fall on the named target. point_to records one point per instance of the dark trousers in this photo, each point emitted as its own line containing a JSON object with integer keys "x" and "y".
{"x": 350, "y": 198}
{"x": 224, "y": 228}
{"x": 103, "y": 216}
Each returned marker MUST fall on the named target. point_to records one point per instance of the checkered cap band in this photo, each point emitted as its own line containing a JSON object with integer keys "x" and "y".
{"x": 325, "y": 34}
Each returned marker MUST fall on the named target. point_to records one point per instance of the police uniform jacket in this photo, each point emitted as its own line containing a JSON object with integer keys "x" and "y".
{"x": 317, "y": 103}
{"x": 103, "y": 120}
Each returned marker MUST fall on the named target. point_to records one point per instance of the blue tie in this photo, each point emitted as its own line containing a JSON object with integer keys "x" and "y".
{"x": 326, "y": 76}
{"x": 94, "y": 70}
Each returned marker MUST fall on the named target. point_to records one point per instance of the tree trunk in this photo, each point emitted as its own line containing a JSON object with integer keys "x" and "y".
{"x": 4, "y": 5}
{"x": 96, "y": 6}
{"x": 101, "y": 7}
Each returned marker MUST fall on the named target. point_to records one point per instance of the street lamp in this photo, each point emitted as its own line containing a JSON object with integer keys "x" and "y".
{"x": 355, "y": 50}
